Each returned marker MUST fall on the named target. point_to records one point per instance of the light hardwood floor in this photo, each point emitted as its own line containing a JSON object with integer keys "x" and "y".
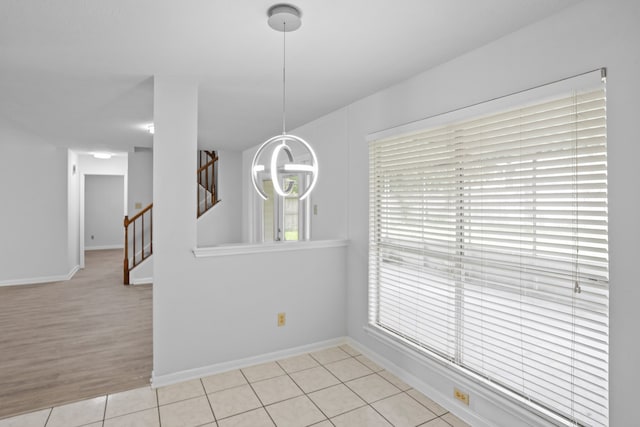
{"x": 66, "y": 341}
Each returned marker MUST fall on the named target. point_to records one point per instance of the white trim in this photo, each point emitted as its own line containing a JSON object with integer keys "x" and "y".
{"x": 475, "y": 387}
{"x": 243, "y": 249}
{"x": 140, "y": 280}
{"x": 104, "y": 247}
{"x": 190, "y": 374}
{"x": 81, "y": 217}
{"x": 43, "y": 279}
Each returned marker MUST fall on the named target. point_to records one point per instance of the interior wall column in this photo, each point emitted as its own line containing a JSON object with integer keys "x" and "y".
{"x": 175, "y": 117}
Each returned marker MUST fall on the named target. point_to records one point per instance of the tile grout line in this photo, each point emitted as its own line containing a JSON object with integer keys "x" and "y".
{"x": 445, "y": 421}
{"x": 48, "y": 417}
{"x": 158, "y": 407}
{"x": 137, "y": 411}
{"x": 185, "y": 399}
{"x": 340, "y": 382}
{"x": 334, "y": 376}
{"x": 397, "y": 394}
{"x": 373, "y": 372}
{"x": 437, "y": 416}
{"x": 104, "y": 413}
{"x": 239, "y": 413}
{"x": 304, "y": 393}
{"x": 370, "y": 404}
{"x": 354, "y": 392}
{"x": 213, "y": 413}
{"x": 258, "y": 397}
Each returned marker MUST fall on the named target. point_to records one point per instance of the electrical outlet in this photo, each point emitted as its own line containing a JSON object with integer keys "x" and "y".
{"x": 462, "y": 397}
{"x": 282, "y": 319}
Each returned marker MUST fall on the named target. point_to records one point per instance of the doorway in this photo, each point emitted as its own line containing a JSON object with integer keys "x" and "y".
{"x": 102, "y": 209}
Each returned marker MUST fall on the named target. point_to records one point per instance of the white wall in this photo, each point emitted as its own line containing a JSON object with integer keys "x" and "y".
{"x": 33, "y": 208}
{"x": 116, "y": 165}
{"x": 225, "y": 308}
{"x": 104, "y": 195}
{"x": 140, "y": 180}
{"x": 209, "y": 311}
{"x": 327, "y": 136}
{"x": 222, "y": 223}
{"x": 585, "y": 37}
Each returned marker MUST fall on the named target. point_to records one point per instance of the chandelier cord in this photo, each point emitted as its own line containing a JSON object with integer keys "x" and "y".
{"x": 284, "y": 77}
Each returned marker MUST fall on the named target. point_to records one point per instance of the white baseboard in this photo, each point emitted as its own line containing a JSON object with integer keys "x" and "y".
{"x": 424, "y": 388}
{"x": 190, "y": 374}
{"x": 42, "y": 279}
{"x": 466, "y": 413}
{"x": 102, "y": 248}
{"x": 142, "y": 281}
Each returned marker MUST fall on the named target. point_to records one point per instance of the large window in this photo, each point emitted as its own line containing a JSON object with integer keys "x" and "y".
{"x": 488, "y": 250}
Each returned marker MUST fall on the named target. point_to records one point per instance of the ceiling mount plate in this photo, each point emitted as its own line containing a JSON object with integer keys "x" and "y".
{"x": 284, "y": 17}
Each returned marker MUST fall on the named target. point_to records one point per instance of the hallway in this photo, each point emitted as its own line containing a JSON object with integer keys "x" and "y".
{"x": 65, "y": 341}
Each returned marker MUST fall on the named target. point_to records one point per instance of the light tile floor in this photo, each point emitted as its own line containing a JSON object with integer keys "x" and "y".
{"x": 332, "y": 387}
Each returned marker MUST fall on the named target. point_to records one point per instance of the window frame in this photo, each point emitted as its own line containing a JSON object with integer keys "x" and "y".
{"x": 504, "y": 103}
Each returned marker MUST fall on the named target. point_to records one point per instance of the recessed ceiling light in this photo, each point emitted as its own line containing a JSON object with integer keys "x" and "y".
{"x": 102, "y": 155}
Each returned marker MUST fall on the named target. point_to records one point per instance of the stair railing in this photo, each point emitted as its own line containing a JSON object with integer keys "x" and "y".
{"x": 145, "y": 251}
{"x": 135, "y": 226}
{"x": 208, "y": 181}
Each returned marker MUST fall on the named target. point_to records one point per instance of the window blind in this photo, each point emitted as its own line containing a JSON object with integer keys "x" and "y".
{"x": 488, "y": 247}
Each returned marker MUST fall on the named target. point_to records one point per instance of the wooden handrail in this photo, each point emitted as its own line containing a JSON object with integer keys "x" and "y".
{"x": 207, "y": 179}
{"x": 208, "y": 164}
{"x": 127, "y": 222}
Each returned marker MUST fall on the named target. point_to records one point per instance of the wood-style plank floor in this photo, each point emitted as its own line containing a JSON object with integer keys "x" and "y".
{"x": 65, "y": 341}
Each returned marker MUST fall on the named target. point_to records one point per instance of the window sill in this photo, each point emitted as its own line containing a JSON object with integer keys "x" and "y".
{"x": 249, "y": 248}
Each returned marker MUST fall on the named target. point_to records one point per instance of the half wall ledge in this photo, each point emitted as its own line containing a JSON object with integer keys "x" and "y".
{"x": 254, "y": 248}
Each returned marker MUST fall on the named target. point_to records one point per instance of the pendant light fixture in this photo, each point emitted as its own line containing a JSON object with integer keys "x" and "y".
{"x": 283, "y": 148}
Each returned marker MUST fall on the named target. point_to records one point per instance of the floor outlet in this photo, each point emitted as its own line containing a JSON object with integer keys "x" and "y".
{"x": 462, "y": 397}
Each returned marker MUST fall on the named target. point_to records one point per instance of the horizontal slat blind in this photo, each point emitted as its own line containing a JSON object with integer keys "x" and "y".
{"x": 489, "y": 247}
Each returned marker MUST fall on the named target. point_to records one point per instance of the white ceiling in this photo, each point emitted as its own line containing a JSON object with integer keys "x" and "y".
{"x": 79, "y": 72}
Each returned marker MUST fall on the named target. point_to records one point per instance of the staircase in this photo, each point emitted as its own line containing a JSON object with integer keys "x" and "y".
{"x": 207, "y": 181}
{"x": 138, "y": 230}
